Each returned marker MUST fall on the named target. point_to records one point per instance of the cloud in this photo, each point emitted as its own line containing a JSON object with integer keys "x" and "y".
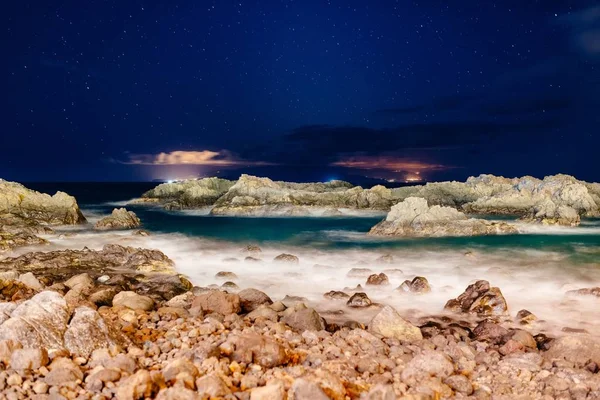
{"x": 223, "y": 158}
{"x": 585, "y": 27}
{"x": 389, "y": 163}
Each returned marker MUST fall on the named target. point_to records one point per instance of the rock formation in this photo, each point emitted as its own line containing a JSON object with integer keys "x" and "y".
{"x": 196, "y": 193}
{"x": 119, "y": 219}
{"x": 414, "y": 218}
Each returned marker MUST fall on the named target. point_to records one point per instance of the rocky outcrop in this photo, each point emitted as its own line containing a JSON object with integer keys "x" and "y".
{"x": 481, "y": 299}
{"x": 59, "y": 209}
{"x": 414, "y": 218}
{"x": 119, "y": 219}
{"x": 196, "y": 193}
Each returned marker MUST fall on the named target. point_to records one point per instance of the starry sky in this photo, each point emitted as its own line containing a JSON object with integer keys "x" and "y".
{"x": 299, "y": 89}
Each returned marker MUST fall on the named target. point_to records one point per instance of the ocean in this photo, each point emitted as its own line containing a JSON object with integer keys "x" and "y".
{"x": 533, "y": 269}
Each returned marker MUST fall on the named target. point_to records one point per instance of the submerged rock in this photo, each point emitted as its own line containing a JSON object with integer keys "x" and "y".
{"x": 359, "y": 300}
{"x": 119, "y": 219}
{"x": 414, "y": 218}
{"x": 378, "y": 280}
{"x": 287, "y": 258}
{"x": 479, "y": 298}
{"x": 419, "y": 284}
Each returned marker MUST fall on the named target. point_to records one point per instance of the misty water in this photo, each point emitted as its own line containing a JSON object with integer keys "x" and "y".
{"x": 534, "y": 269}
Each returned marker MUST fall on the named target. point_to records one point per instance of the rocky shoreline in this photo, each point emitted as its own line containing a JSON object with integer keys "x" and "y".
{"x": 122, "y": 322}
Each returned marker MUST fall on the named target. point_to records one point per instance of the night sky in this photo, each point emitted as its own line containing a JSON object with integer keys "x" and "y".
{"x": 299, "y": 90}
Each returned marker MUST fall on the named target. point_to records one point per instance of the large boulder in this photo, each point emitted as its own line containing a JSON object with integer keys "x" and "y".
{"x": 218, "y": 302}
{"x": 388, "y": 323}
{"x": 415, "y": 218}
{"x": 577, "y": 349}
{"x": 251, "y": 299}
{"x": 54, "y": 210}
{"x": 38, "y": 322}
{"x": 306, "y": 319}
{"x": 133, "y": 300}
{"x": 87, "y": 332}
{"x": 119, "y": 219}
{"x": 479, "y": 298}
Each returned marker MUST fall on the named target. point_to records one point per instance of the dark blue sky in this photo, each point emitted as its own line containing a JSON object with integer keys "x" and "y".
{"x": 299, "y": 90}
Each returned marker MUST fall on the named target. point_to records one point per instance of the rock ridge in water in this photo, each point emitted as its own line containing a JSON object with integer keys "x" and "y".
{"x": 120, "y": 218}
{"x": 415, "y": 218}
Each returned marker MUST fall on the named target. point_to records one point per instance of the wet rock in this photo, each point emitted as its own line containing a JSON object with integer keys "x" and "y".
{"x": 38, "y": 322}
{"x": 87, "y": 332}
{"x": 137, "y": 386}
{"x": 305, "y": 319}
{"x": 378, "y": 279}
{"x": 251, "y": 299}
{"x": 385, "y": 259}
{"x": 388, "y": 323}
{"x": 119, "y": 219}
{"x": 254, "y": 348}
{"x": 419, "y": 284}
{"x": 226, "y": 275}
{"x": 28, "y": 359}
{"x": 250, "y": 259}
{"x": 489, "y": 331}
{"x": 11, "y": 240}
{"x": 216, "y": 301}
{"x": 133, "y": 300}
{"x": 287, "y": 258}
{"x": 141, "y": 232}
{"x": 525, "y": 317}
{"x": 212, "y": 385}
{"x": 359, "y": 300}
{"x": 252, "y": 249}
{"x": 359, "y": 273}
{"x": 290, "y": 301}
{"x": 523, "y": 337}
{"x": 336, "y": 295}
{"x": 230, "y": 286}
{"x": 479, "y": 298}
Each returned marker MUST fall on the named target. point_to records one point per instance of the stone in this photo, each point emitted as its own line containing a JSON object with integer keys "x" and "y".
{"x": 380, "y": 392}
{"x": 178, "y": 393}
{"x": 578, "y": 349}
{"x": 103, "y": 296}
{"x": 38, "y": 322}
{"x": 303, "y": 389}
{"x": 7, "y": 347}
{"x": 104, "y": 375}
{"x": 460, "y": 384}
{"x": 181, "y": 301}
{"x": 80, "y": 282}
{"x": 133, "y": 300}
{"x": 212, "y": 385}
{"x": 359, "y": 273}
{"x": 40, "y": 387}
{"x": 272, "y": 391}
{"x": 479, "y": 298}
{"x": 428, "y": 363}
{"x": 419, "y": 284}
{"x": 303, "y": 320}
{"x": 63, "y": 371}
{"x": 177, "y": 367}
{"x": 137, "y": 386}
{"x": 413, "y": 217}
{"x": 525, "y": 317}
{"x": 30, "y": 280}
{"x": 226, "y": 275}
{"x": 29, "y": 359}
{"x": 388, "y": 323}
{"x": 119, "y": 219}
{"x": 87, "y": 332}
{"x": 216, "y": 301}
{"x": 489, "y": 331}
{"x": 254, "y": 348}
{"x": 336, "y": 295}
{"x": 378, "y": 279}
{"x": 251, "y": 299}
{"x": 287, "y": 258}
{"x": 359, "y": 300}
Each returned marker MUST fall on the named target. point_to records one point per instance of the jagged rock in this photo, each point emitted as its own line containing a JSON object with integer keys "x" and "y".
{"x": 79, "y": 282}
{"x": 378, "y": 280}
{"x": 251, "y": 299}
{"x": 359, "y": 300}
{"x": 419, "y": 284}
{"x": 414, "y": 218}
{"x": 133, "y": 300}
{"x": 489, "y": 331}
{"x": 196, "y": 193}
{"x": 119, "y": 219}
{"x": 479, "y": 298}
{"x": 336, "y": 295}
{"x": 525, "y": 317}
{"x": 287, "y": 258}
{"x": 10, "y": 240}
{"x": 59, "y": 209}
{"x": 31, "y": 281}
{"x": 87, "y": 332}
{"x": 254, "y": 348}
{"x": 218, "y": 302}
{"x": 38, "y": 322}
{"x": 303, "y": 320}
{"x": 388, "y": 323}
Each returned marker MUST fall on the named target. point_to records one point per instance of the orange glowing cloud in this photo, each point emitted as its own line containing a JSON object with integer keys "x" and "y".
{"x": 222, "y": 158}
{"x": 389, "y": 163}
